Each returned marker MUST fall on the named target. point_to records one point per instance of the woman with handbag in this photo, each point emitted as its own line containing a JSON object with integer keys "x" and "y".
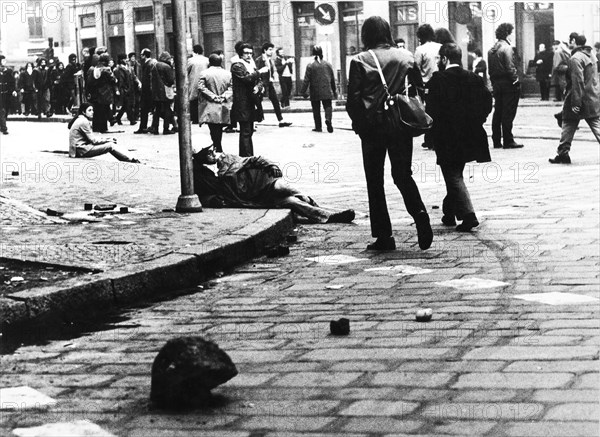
{"x": 367, "y": 95}
{"x": 247, "y": 96}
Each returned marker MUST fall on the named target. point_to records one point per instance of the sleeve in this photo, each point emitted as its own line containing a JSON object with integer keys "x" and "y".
{"x": 279, "y": 66}
{"x": 229, "y": 91}
{"x": 257, "y": 162}
{"x": 306, "y": 82}
{"x": 333, "y": 87}
{"x": 88, "y": 134}
{"x": 507, "y": 59}
{"x": 577, "y": 82}
{"x": 432, "y": 98}
{"x": 354, "y": 105}
{"x": 239, "y": 71}
{"x": 204, "y": 90}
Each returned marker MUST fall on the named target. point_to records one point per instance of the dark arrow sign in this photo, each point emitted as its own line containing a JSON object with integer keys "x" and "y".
{"x": 325, "y": 14}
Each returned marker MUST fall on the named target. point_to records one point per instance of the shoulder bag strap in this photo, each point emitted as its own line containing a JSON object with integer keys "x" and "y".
{"x": 380, "y": 71}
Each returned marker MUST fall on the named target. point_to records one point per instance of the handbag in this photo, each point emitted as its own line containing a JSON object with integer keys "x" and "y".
{"x": 403, "y": 113}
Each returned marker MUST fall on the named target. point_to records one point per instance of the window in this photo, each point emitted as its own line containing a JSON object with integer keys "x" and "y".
{"x": 115, "y": 18}
{"x": 34, "y": 19}
{"x": 212, "y": 25}
{"x": 168, "y": 12}
{"x": 88, "y": 20}
{"x": 144, "y": 15}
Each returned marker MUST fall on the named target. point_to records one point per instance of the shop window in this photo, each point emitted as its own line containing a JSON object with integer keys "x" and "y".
{"x": 404, "y": 19}
{"x": 144, "y": 15}
{"x": 88, "y": 20}
{"x": 305, "y": 36}
{"x": 351, "y": 21}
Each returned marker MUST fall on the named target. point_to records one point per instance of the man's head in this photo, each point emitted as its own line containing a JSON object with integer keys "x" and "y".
{"x": 317, "y": 51}
{"x": 206, "y": 156}
{"x": 425, "y": 33}
{"x": 400, "y": 43}
{"x": 214, "y": 60}
{"x": 145, "y": 54}
{"x": 267, "y": 49}
{"x": 121, "y": 59}
{"x": 450, "y": 53}
{"x": 245, "y": 51}
{"x": 542, "y": 47}
{"x": 198, "y": 49}
{"x": 51, "y": 63}
{"x": 131, "y": 57}
{"x": 576, "y": 40}
{"x": 72, "y": 58}
{"x": 42, "y": 63}
{"x": 504, "y": 31}
{"x": 2, "y": 60}
{"x": 104, "y": 59}
{"x": 597, "y": 47}
{"x": 279, "y": 52}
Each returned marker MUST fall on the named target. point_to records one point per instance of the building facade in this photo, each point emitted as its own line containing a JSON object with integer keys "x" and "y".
{"x": 125, "y": 26}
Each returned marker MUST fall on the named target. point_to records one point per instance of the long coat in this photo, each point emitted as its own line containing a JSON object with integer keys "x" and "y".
{"x": 214, "y": 82}
{"x": 162, "y": 75}
{"x": 7, "y": 86}
{"x": 246, "y": 105}
{"x": 459, "y": 103}
{"x": 101, "y": 85}
{"x": 583, "y": 89}
{"x": 195, "y": 66}
{"x": 320, "y": 81}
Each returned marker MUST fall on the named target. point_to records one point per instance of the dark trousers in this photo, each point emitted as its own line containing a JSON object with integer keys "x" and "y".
{"x": 245, "y": 145}
{"x": 506, "y": 101}
{"x": 3, "y": 113}
{"x": 162, "y": 109}
{"x": 316, "y": 110}
{"x": 126, "y": 107}
{"x": 457, "y": 202}
{"x": 29, "y": 102}
{"x": 194, "y": 111}
{"x": 146, "y": 106}
{"x": 545, "y": 89}
{"x": 102, "y": 114}
{"x": 374, "y": 148}
{"x": 274, "y": 101}
{"x": 216, "y": 135}
{"x": 286, "y": 90}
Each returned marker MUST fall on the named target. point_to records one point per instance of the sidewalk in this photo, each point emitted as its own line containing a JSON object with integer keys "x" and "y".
{"x": 116, "y": 257}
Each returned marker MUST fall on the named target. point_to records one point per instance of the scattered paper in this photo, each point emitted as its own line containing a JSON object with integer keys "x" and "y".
{"x": 23, "y": 398}
{"x": 403, "y": 270}
{"x": 557, "y": 298}
{"x": 335, "y": 259}
{"x": 472, "y": 283}
{"x": 77, "y": 428}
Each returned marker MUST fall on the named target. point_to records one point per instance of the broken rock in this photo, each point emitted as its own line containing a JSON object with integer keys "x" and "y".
{"x": 185, "y": 370}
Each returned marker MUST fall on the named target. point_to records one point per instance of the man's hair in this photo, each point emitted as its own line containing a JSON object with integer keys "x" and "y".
{"x": 425, "y": 33}
{"x": 214, "y": 60}
{"x": 478, "y": 53}
{"x": 451, "y": 51}
{"x": 399, "y": 40}
{"x": 146, "y": 53}
{"x": 317, "y": 51}
{"x": 2, "y": 57}
{"x": 266, "y": 46}
{"x": 198, "y": 49}
{"x": 121, "y": 58}
{"x": 504, "y": 30}
{"x": 580, "y": 40}
{"x": 218, "y": 52}
{"x": 443, "y": 35}
{"x": 130, "y": 55}
{"x": 243, "y": 46}
{"x": 376, "y": 30}
{"x": 278, "y": 49}
{"x": 201, "y": 155}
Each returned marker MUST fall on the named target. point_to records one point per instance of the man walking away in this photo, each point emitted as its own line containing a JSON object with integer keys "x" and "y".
{"x": 582, "y": 101}
{"x": 126, "y": 84}
{"x": 266, "y": 60}
{"x": 7, "y": 90}
{"x": 543, "y": 70}
{"x": 459, "y": 103}
{"x": 147, "y": 102}
{"x": 320, "y": 80}
{"x": 195, "y": 66}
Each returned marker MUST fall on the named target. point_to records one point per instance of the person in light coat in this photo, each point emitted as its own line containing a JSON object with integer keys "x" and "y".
{"x": 195, "y": 66}
{"x": 215, "y": 97}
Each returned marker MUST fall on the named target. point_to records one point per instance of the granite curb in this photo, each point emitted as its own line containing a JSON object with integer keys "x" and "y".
{"x": 186, "y": 267}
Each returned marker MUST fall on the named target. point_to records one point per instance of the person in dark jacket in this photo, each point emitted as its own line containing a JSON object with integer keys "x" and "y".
{"x": 459, "y": 103}
{"x": 366, "y": 97}
{"x": 101, "y": 88}
{"x": 146, "y": 100}
{"x": 543, "y": 69}
{"x": 7, "y": 92}
{"x": 319, "y": 79}
{"x": 507, "y": 88}
{"x": 126, "y": 85}
{"x": 254, "y": 182}
{"x": 582, "y": 101}
{"x": 41, "y": 82}
{"x": 68, "y": 81}
{"x": 268, "y": 78}
{"x": 163, "y": 80}
{"x": 247, "y": 96}
{"x": 284, "y": 65}
{"x": 135, "y": 68}
{"x": 27, "y": 88}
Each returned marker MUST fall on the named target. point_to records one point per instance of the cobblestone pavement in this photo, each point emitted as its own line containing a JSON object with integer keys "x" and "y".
{"x": 490, "y": 362}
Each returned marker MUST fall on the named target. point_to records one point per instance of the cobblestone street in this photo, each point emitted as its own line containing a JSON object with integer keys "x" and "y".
{"x": 512, "y": 348}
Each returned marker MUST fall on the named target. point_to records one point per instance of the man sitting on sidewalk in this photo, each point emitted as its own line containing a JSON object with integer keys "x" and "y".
{"x": 254, "y": 182}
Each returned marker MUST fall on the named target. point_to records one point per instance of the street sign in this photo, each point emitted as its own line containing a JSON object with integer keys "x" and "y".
{"x": 325, "y": 14}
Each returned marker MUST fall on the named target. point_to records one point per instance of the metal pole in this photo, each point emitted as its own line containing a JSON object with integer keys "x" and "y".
{"x": 188, "y": 201}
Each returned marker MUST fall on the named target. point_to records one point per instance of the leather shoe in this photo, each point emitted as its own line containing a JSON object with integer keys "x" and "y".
{"x": 468, "y": 223}
{"x": 512, "y": 146}
{"x": 329, "y": 126}
{"x": 497, "y": 145}
{"x": 424, "y": 232}
{"x": 383, "y": 243}
{"x": 448, "y": 220}
{"x": 317, "y": 130}
{"x": 561, "y": 159}
{"x": 342, "y": 217}
{"x": 284, "y": 124}
{"x": 559, "y": 118}
{"x": 141, "y": 131}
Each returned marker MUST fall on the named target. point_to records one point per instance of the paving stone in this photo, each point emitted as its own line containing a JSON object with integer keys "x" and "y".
{"x": 483, "y": 411}
{"x": 250, "y": 379}
{"x": 317, "y": 379}
{"x": 574, "y": 411}
{"x": 539, "y": 429}
{"x": 485, "y": 395}
{"x": 589, "y": 380}
{"x": 412, "y": 379}
{"x": 463, "y": 428}
{"x": 380, "y": 425}
{"x": 367, "y": 353}
{"x": 379, "y": 408}
{"x": 283, "y": 423}
{"x": 513, "y": 380}
{"x": 514, "y": 353}
{"x": 565, "y": 395}
{"x": 553, "y": 366}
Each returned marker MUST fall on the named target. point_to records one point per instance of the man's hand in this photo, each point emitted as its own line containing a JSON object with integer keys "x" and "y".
{"x": 274, "y": 171}
{"x": 264, "y": 69}
{"x": 576, "y": 109}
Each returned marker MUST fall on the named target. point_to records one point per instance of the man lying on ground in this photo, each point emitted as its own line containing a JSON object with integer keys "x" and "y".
{"x": 254, "y": 182}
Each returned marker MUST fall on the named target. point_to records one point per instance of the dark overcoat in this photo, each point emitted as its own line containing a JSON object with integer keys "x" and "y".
{"x": 246, "y": 105}
{"x": 101, "y": 85}
{"x": 583, "y": 89}
{"x": 459, "y": 103}
{"x": 319, "y": 80}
